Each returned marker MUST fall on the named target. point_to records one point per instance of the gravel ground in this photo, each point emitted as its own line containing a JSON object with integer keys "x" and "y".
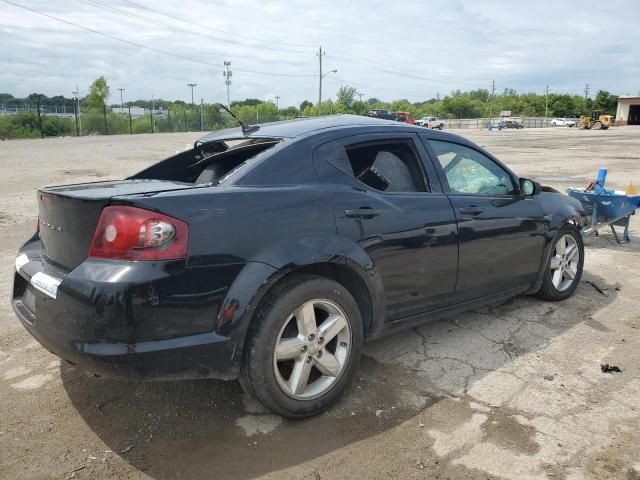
{"x": 514, "y": 391}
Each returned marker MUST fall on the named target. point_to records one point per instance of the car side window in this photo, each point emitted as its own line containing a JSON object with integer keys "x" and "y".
{"x": 388, "y": 166}
{"x": 470, "y": 172}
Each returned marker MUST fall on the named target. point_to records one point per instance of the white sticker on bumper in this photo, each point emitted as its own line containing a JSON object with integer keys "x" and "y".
{"x": 21, "y": 261}
{"x": 46, "y": 284}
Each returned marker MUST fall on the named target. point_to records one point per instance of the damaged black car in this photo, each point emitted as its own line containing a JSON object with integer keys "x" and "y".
{"x": 269, "y": 254}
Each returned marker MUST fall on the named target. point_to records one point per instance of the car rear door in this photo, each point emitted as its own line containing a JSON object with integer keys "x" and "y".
{"x": 388, "y": 205}
{"x": 501, "y": 232}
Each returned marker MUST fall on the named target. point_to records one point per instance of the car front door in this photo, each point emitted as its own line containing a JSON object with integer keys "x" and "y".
{"x": 386, "y": 203}
{"x": 501, "y": 232}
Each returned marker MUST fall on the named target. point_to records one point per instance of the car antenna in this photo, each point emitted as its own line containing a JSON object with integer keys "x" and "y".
{"x": 246, "y": 129}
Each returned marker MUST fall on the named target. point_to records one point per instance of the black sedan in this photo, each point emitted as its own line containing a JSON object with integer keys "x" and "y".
{"x": 271, "y": 253}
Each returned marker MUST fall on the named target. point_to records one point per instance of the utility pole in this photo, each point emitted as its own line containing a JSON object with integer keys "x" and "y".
{"x": 227, "y": 74}
{"x": 320, "y": 54}
{"x": 192, "y": 85}
{"x": 586, "y": 93}
{"x": 546, "y": 103}
{"x": 493, "y": 91}
{"x": 360, "y": 95}
{"x": 121, "y": 102}
{"x": 320, "y": 77}
{"x": 201, "y": 117}
{"x": 130, "y": 124}
{"x": 278, "y": 102}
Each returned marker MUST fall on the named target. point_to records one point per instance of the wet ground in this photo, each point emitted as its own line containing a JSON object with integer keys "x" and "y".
{"x": 511, "y": 391}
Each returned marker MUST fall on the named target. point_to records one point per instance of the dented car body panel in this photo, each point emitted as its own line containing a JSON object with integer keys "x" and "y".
{"x": 260, "y": 207}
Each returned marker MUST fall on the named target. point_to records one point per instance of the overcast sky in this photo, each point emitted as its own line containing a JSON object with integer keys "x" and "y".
{"x": 386, "y": 49}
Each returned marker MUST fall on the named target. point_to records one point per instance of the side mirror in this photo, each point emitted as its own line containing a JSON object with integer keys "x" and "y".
{"x": 529, "y": 187}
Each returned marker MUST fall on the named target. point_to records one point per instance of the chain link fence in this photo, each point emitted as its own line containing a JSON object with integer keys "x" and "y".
{"x": 34, "y": 120}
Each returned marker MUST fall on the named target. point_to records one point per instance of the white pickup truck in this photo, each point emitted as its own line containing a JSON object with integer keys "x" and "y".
{"x": 430, "y": 122}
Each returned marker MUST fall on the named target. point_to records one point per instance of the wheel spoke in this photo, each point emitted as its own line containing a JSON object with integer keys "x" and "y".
{"x": 571, "y": 252}
{"x": 557, "y": 278}
{"x": 306, "y": 319}
{"x": 328, "y": 364}
{"x": 299, "y": 377}
{"x": 331, "y": 327}
{"x": 561, "y": 246}
{"x": 569, "y": 273}
{"x": 555, "y": 262}
{"x": 289, "y": 348}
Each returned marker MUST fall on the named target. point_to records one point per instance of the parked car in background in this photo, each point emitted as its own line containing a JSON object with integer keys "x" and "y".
{"x": 512, "y": 124}
{"x": 405, "y": 117}
{"x": 270, "y": 253}
{"x": 562, "y": 122}
{"x": 430, "y": 122}
{"x": 381, "y": 113}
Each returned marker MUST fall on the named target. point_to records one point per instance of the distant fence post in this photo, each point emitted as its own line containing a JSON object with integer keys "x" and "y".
{"x": 75, "y": 112}
{"x": 130, "y": 124}
{"x": 39, "y": 118}
{"x": 169, "y": 117}
{"x": 104, "y": 114}
{"x": 151, "y": 118}
{"x": 201, "y": 119}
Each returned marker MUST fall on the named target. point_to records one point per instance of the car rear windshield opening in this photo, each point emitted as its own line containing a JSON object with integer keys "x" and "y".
{"x": 208, "y": 162}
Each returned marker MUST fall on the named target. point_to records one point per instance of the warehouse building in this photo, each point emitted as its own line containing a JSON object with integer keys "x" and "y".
{"x": 628, "y": 111}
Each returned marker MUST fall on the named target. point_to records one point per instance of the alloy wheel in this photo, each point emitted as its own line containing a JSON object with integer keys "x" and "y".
{"x": 564, "y": 262}
{"x": 312, "y": 349}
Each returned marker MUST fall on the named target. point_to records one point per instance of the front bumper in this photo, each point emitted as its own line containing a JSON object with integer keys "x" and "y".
{"x": 133, "y": 320}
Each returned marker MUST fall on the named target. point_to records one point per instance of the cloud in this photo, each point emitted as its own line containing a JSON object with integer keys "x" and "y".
{"x": 412, "y": 50}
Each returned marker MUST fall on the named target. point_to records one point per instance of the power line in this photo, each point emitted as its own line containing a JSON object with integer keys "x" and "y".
{"x": 180, "y": 29}
{"x": 209, "y": 27}
{"x": 146, "y": 47}
{"x": 400, "y": 71}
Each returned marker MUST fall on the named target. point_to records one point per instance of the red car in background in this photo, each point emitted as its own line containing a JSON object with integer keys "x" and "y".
{"x": 405, "y": 117}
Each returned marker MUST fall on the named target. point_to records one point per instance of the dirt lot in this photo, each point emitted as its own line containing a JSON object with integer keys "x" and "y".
{"x": 514, "y": 391}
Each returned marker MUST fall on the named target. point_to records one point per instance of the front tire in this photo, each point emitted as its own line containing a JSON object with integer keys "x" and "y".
{"x": 564, "y": 268}
{"x": 303, "y": 346}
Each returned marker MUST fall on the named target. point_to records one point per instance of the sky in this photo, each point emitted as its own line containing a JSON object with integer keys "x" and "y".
{"x": 388, "y": 50}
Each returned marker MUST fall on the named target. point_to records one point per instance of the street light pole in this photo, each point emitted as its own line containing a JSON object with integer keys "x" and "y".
{"x": 121, "y": 102}
{"x": 192, "y": 85}
{"x": 277, "y": 102}
{"x": 227, "y": 74}
{"x": 320, "y": 91}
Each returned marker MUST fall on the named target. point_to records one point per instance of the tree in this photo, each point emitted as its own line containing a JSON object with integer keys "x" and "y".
{"x": 346, "y": 96}
{"x": 98, "y": 93}
{"x": 606, "y": 101}
{"x": 304, "y": 105}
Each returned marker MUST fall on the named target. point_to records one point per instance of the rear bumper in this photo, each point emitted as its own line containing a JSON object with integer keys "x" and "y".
{"x": 133, "y": 321}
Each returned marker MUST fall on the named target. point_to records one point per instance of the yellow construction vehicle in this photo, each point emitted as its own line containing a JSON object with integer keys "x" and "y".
{"x": 597, "y": 121}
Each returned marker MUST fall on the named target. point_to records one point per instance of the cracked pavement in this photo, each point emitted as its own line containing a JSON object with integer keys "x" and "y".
{"x": 507, "y": 391}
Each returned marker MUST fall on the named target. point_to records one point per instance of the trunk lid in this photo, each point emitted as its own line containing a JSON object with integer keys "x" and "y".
{"x": 68, "y": 214}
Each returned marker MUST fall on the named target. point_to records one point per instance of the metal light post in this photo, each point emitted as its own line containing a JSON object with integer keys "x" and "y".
{"x": 320, "y": 90}
{"x": 192, "y": 85}
{"x": 227, "y": 74}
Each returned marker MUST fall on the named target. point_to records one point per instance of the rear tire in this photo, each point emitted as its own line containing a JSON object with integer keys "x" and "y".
{"x": 564, "y": 267}
{"x": 303, "y": 346}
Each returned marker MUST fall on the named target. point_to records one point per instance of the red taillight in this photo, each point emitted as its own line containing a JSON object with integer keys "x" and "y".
{"x": 130, "y": 233}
